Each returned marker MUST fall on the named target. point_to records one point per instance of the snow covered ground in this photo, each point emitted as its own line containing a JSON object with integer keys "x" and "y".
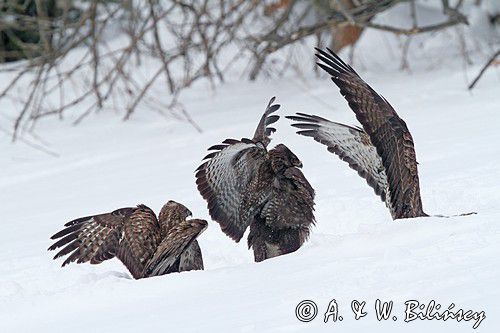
{"x": 356, "y": 252}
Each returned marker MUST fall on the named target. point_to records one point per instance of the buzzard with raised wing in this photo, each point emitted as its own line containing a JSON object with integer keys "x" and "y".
{"x": 245, "y": 185}
{"x": 382, "y": 152}
{"x": 146, "y": 245}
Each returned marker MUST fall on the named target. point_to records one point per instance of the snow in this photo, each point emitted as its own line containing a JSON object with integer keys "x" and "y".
{"x": 356, "y": 252}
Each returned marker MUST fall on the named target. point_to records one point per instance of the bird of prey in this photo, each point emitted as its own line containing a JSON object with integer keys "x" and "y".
{"x": 382, "y": 151}
{"x": 245, "y": 185}
{"x": 146, "y": 245}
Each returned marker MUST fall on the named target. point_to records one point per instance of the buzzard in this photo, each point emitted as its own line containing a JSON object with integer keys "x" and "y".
{"x": 245, "y": 185}
{"x": 382, "y": 152}
{"x": 147, "y": 246}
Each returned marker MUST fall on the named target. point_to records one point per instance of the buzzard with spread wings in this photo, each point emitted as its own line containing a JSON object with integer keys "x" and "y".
{"x": 382, "y": 152}
{"x": 146, "y": 245}
{"x": 246, "y": 185}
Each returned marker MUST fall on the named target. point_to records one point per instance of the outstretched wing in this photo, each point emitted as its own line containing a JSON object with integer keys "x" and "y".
{"x": 223, "y": 181}
{"x": 91, "y": 238}
{"x": 141, "y": 236}
{"x": 388, "y": 133}
{"x": 263, "y": 132}
{"x": 130, "y": 234}
{"x": 351, "y": 144}
{"x": 228, "y": 177}
{"x": 168, "y": 254}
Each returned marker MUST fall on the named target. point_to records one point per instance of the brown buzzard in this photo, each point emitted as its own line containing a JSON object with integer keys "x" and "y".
{"x": 246, "y": 185}
{"x": 147, "y": 246}
{"x": 382, "y": 152}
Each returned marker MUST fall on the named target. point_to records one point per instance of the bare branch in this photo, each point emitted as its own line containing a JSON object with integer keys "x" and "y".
{"x": 483, "y": 70}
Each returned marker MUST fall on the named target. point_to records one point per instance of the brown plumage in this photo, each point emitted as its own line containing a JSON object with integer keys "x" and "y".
{"x": 247, "y": 186}
{"x": 147, "y": 246}
{"x": 382, "y": 152}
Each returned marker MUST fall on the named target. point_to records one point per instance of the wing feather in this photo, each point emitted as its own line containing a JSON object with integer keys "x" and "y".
{"x": 191, "y": 258}
{"x": 84, "y": 238}
{"x": 130, "y": 234}
{"x": 166, "y": 258}
{"x": 222, "y": 180}
{"x": 263, "y": 130}
{"x": 141, "y": 236}
{"x": 229, "y": 170}
{"x": 387, "y": 131}
{"x": 350, "y": 144}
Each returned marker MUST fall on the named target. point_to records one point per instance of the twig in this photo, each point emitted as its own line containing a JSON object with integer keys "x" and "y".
{"x": 32, "y": 144}
{"x": 490, "y": 61}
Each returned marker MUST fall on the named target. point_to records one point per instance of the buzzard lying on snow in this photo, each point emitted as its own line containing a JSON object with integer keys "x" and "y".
{"x": 382, "y": 152}
{"x": 147, "y": 246}
{"x": 247, "y": 186}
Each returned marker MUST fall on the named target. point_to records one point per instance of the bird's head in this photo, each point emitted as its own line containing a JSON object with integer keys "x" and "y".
{"x": 283, "y": 158}
{"x": 173, "y": 212}
{"x": 200, "y": 225}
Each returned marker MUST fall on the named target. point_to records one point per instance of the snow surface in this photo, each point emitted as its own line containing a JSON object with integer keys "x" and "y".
{"x": 355, "y": 251}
